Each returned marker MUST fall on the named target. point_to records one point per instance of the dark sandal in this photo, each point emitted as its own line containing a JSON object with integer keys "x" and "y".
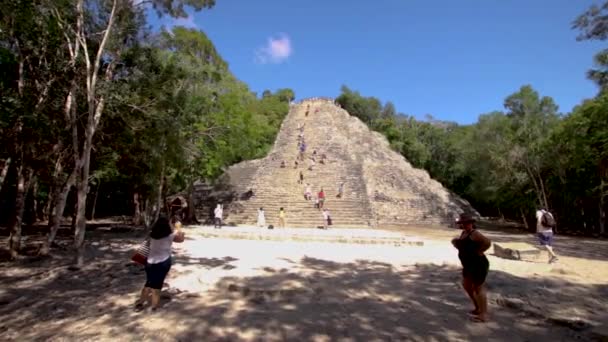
{"x": 477, "y": 319}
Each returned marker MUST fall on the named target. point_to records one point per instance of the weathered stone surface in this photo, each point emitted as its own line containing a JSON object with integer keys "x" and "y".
{"x": 381, "y": 187}
{"x": 516, "y": 251}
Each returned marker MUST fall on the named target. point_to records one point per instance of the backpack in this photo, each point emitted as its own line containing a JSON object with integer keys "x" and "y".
{"x": 547, "y": 220}
{"x": 270, "y": 227}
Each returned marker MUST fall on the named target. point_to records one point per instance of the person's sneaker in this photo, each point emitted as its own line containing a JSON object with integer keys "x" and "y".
{"x": 553, "y": 259}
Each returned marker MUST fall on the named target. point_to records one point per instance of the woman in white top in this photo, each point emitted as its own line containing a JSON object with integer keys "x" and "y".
{"x": 158, "y": 263}
{"x": 307, "y": 192}
{"x": 261, "y": 218}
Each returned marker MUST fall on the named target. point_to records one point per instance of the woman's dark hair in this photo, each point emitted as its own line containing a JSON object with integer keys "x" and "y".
{"x": 162, "y": 228}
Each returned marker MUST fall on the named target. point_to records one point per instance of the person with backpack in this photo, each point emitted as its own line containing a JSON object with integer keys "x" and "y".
{"x": 545, "y": 223}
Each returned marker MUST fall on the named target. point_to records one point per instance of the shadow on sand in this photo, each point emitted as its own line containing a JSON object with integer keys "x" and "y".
{"x": 315, "y": 300}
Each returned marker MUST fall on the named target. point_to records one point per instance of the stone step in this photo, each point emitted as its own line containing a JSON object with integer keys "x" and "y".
{"x": 349, "y": 236}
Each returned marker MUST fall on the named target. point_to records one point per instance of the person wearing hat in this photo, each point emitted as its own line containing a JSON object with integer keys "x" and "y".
{"x": 471, "y": 246}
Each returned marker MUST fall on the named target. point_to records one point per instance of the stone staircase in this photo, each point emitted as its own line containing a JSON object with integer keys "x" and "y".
{"x": 277, "y": 187}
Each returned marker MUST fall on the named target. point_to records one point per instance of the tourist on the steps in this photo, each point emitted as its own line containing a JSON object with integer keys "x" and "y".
{"x": 316, "y": 202}
{"x": 311, "y": 164}
{"x": 261, "y": 218}
{"x": 218, "y": 213}
{"x": 283, "y": 164}
{"x": 471, "y": 246}
{"x": 295, "y": 164}
{"x": 301, "y": 180}
{"x": 323, "y": 157}
{"x": 307, "y": 192}
{"x": 321, "y": 197}
{"x": 326, "y": 218}
{"x": 544, "y": 229}
{"x": 281, "y": 218}
{"x": 340, "y": 190}
{"x": 302, "y": 150}
{"x": 158, "y": 262}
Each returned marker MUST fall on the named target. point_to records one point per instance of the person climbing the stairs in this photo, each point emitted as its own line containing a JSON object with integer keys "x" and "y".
{"x": 301, "y": 179}
{"x": 340, "y": 190}
{"x": 311, "y": 164}
{"x": 302, "y": 150}
{"x": 281, "y": 218}
{"x": 307, "y": 192}
{"x": 218, "y": 213}
{"x": 326, "y": 219}
{"x": 261, "y": 218}
{"x": 321, "y": 197}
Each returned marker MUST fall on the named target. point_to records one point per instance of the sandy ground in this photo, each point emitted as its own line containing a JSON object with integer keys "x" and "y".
{"x": 244, "y": 290}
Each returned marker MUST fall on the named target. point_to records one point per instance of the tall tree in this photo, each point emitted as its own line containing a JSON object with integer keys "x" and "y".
{"x": 593, "y": 25}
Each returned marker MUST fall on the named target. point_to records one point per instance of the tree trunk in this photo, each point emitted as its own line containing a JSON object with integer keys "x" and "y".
{"x": 95, "y": 200}
{"x": 48, "y": 208}
{"x": 154, "y": 211}
{"x": 34, "y": 186}
{"x": 536, "y": 186}
{"x": 543, "y": 192}
{"x": 137, "y": 219}
{"x": 60, "y": 197}
{"x": 82, "y": 190}
{"x": 191, "y": 214}
{"x": 24, "y": 175}
{"x": 523, "y": 218}
{"x": 501, "y": 216}
{"x": 602, "y": 211}
{"x": 95, "y": 106}
{"x": 160, "y": 192}
{"x": 4, "y": 172}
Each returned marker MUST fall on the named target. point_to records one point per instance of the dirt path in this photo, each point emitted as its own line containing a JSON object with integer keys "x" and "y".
{"x": 241, "y": 290}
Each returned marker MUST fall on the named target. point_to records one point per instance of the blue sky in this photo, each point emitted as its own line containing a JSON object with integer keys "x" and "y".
{"x": 451, "y": 59}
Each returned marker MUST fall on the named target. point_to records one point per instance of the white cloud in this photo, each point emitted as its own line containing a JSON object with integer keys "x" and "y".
{"x": 277, "y": 50}
{"x": 185, "y": 22}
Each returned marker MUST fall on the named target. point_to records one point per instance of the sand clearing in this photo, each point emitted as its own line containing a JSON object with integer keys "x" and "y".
{"x": 244, "y": 290}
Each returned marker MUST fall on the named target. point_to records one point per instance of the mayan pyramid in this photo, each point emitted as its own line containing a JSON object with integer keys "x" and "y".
{"x": 381, "y": 188}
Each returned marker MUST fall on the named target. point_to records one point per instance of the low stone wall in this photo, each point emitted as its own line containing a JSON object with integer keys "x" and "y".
{"x": 517, "y": 251}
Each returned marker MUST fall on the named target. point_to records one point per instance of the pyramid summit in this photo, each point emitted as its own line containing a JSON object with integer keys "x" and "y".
{"x": 379, "y": 186}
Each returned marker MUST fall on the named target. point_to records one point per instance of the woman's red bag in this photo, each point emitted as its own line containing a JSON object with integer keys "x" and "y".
{"x": 141, "y": 253}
